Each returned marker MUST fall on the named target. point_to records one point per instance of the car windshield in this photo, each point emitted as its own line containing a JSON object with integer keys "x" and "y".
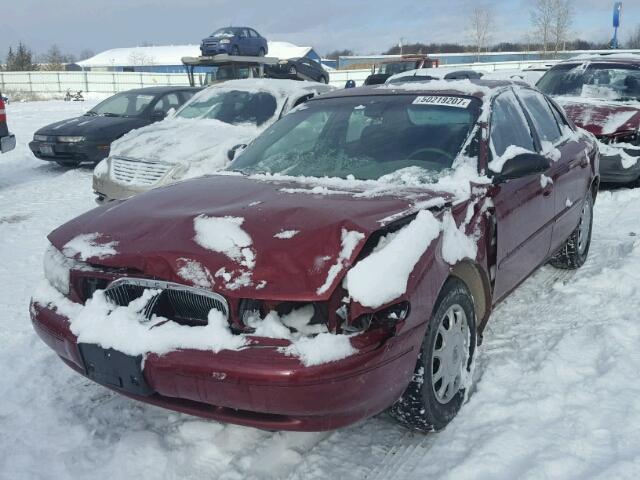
{"x": 398, "y": 67}
{"x": 127, "y": 104}
{"x": 365, "y": 137}
{"x": 232, "y": 106}
{"x": 593, "y": 80}
{"x": 224, "y": 32}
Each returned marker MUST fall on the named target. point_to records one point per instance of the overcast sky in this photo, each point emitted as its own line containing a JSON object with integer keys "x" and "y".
{"x": 369, "y": 26}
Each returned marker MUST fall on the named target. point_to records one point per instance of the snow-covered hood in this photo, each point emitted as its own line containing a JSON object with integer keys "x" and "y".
{"x": 200, "y": 143}
{"x": 601, "y": 117}
{"x": 94, "y": 126}
{"x": 243, "y": 237}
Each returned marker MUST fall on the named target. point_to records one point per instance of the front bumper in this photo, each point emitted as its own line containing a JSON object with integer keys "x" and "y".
{"x": 7, "y": 143}
{"x": 260, "y": 387}
{"x": 71, "y": 153}
{"x": 208, "y": 50}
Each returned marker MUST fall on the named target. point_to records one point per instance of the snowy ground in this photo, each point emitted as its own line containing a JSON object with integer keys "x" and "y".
{"x": 556, "y": 396}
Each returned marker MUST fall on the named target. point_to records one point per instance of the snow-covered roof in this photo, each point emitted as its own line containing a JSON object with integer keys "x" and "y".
{"x": 172, "y": 55}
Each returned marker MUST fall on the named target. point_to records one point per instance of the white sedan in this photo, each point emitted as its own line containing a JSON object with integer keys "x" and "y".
{"x": 200, "y": 138}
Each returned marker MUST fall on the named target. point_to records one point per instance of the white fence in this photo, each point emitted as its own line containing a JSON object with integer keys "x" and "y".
{"x": 339, "y": 77}
{"x": 95, "y": 82}
{"x": 112, "y": 82}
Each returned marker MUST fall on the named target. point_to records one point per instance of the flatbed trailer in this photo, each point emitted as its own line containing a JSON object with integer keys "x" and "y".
{"x": 235, "y": 66}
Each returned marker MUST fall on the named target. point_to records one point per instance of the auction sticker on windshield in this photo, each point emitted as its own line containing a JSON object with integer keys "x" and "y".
{"x": 457, "y": 102}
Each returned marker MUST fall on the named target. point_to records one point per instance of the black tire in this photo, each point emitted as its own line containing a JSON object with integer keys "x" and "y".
{"x": 261, "y": 52}
{"x": 419, "y": 408}
{"x": 574, "y": 252}
{"x": 324, "y": 79}
{"x": 66, "y": 164}
{"x": 293, "y": 70}
{"x": 235, "y": 51}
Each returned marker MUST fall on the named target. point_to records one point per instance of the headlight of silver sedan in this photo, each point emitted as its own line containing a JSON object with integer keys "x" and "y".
{"x": 70, "y": 139}
{"x": 57, "y": 269}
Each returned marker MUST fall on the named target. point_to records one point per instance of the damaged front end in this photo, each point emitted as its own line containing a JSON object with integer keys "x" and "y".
{"x": 620, "y": 157}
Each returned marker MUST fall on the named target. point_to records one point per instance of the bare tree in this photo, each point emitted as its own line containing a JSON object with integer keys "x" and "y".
{"x": 551, "y": 20}
{"x": 480, "y": 26}
{"x": 86, "y": 53}
{"x": 542, "y": 17}
{"x": 563, "y": 17}
{"x": 634, "y": 39}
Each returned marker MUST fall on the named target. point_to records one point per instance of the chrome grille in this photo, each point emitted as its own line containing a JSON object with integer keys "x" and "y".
{"x": 129, "y": 172}
{"x": 180, "y": 303}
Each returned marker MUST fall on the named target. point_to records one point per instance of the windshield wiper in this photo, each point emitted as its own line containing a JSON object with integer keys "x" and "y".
{"x": 91, "y": 113}
{"x": 107, "y": 114}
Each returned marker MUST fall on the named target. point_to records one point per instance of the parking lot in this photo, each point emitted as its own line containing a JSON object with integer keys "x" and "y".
{"x": 557, "y": 396}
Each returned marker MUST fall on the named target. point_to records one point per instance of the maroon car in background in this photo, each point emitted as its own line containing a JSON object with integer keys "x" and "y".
{"x": 7, "y": 139}
{"x": 602, "y": 95}
{"x": 348, "y": 265}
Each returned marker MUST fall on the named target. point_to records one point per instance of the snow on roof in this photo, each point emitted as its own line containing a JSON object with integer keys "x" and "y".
{"x": 172, "y": 55}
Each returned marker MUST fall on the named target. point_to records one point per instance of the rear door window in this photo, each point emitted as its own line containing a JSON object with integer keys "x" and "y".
{"x": 509, "y": 125}
{"x": 543, "y": 118}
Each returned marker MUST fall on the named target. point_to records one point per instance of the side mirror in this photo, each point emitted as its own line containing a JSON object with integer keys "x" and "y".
{"x": 523, "y": 165}
{"x": 157, "y": 115}
{"x": 231, "y": 154}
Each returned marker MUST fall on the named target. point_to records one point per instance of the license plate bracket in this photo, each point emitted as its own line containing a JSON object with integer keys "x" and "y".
{"x": 114, "y": 369}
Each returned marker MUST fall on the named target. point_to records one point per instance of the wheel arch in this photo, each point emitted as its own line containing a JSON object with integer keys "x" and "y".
{"x": 595, "y": 186}
{"x": 477, "y": 281}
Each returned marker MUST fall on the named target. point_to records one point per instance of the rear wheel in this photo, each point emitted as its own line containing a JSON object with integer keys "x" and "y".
{"x": 66, "y": 164}
{"x": 443, "y": 370}
{"x": 261, "y": 52}
{"x": 574, "y": 252}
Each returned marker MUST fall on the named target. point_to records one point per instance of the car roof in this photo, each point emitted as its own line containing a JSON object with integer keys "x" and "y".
{"x": 159, "y": 90}
{"x": 473, "y": 88}
{"x": 618, "y": 58}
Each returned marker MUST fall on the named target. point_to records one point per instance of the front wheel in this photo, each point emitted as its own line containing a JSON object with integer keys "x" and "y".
{"x": 324, "y": 79}
{"x": 443, "y": 370}
{"x": 574, "y": 252}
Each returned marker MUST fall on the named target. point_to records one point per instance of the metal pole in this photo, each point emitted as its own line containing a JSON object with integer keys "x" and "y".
{"x": 59, "y": 85}
{"x": 86, "y": 82}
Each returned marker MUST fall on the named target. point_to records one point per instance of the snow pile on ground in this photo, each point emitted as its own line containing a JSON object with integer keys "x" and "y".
{"x": 554, "y": 396}
{"x": 383, "y": 275}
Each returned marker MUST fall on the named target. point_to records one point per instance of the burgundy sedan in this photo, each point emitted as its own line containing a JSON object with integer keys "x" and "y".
{"x": 346, "y": 265}
{"x": 601, "y": 94}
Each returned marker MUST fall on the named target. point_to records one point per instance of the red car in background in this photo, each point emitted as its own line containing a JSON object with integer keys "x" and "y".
{"x": 347, "y": 265}
{"x": 602, "y": 95}
{"x": 7, "y": 140}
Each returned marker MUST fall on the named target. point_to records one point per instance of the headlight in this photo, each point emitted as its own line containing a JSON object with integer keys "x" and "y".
{"x": 57, "y": 268}
{"x": 67, "y": 139}
{"x": 40, "y": 138}
{"x": 225, "y": 41}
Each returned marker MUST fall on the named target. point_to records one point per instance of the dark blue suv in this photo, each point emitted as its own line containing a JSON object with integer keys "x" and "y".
{"x": 235, "y": 41}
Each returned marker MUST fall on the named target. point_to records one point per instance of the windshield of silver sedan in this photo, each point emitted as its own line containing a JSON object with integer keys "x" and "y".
{"x": 365, "y": 137}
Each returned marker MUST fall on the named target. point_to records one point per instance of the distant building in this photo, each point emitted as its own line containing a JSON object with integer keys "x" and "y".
{"x": 168, "y": 59}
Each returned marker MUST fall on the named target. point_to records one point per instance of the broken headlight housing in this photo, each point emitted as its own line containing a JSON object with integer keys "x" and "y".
{"x": 57, "y": 269}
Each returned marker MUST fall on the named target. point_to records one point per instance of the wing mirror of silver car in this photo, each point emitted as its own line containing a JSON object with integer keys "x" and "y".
{"x": 523, "y": 165}
{"x": 231, "y": 154}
